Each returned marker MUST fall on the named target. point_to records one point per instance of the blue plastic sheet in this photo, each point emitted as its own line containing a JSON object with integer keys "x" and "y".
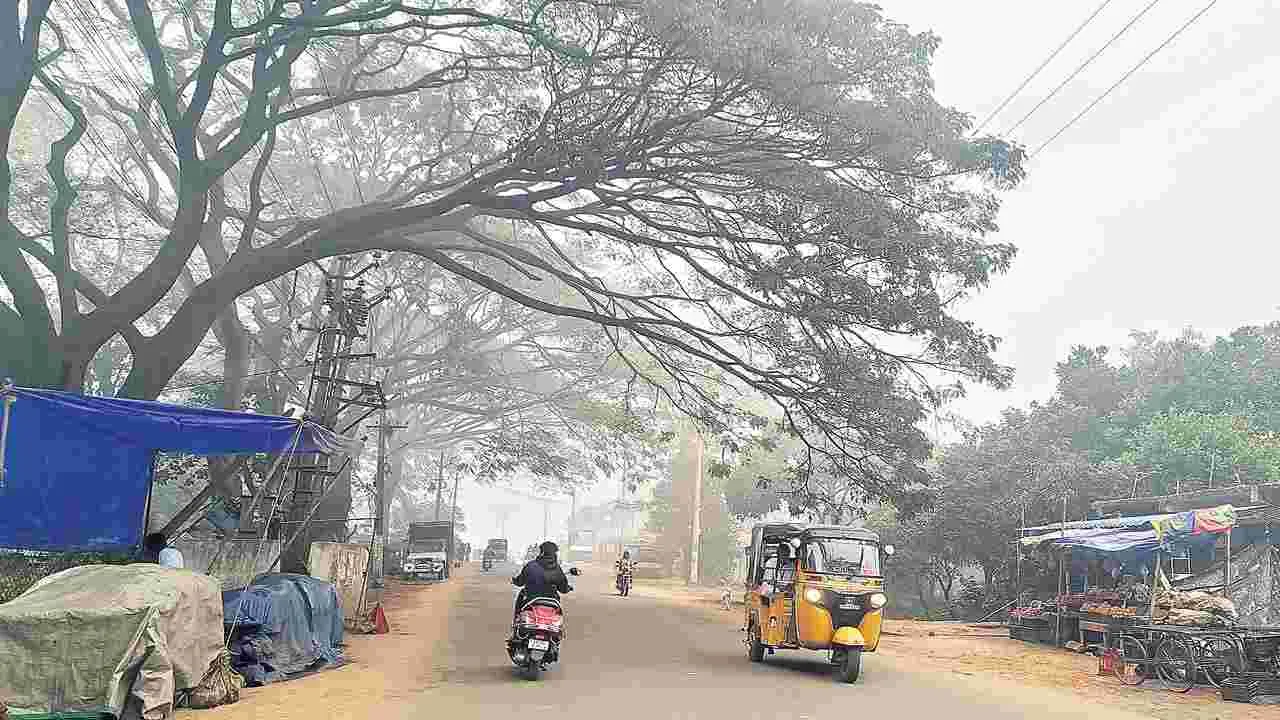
{"x": 79, "y": 468}
{"x": 281, "y": 626}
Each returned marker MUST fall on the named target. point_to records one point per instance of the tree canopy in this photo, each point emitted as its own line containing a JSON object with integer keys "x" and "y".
{"x": 764, "y": 193}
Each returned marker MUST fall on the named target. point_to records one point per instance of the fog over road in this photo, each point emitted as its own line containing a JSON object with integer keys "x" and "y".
{"x": 641, "y": 657}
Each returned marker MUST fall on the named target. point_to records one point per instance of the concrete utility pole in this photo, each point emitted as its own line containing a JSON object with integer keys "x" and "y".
{"x": 697, "y": 512}
{"x": 439, "y": 485}
{"x": 381, "y": 519}
{"x": 573, "y": 512}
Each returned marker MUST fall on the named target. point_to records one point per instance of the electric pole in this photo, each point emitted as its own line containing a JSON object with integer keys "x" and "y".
{"x": 328, "y": 397}
{"x": 697, "y": 512}
{"x": 381, "y": 519}
{"x": 439, "y": 485}
{"x": 453, "y": 517}
{"x": 573, "y": 513}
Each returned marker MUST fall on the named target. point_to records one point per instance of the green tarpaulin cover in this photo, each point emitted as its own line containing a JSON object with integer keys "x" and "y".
{"x": 121, "y": 639}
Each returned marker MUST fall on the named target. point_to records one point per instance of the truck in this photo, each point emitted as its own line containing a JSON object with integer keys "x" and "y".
{"x": 496, "y": 550}
{"x": 427, "y": 550}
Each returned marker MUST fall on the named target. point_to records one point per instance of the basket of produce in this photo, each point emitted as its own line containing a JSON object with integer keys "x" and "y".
{"x": 1109, "y": 611}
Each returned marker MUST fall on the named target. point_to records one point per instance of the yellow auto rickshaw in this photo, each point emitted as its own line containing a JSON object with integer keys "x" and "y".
{"x": 815, "y": 587}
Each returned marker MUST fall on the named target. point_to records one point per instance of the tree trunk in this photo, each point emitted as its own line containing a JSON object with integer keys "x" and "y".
{"x": 923, "y": 590}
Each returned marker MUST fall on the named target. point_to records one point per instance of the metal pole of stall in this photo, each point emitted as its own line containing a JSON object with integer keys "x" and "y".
{"x": 1018, "y": 546}
{"x": 1057, "y": 625}
{"x": 1226, "y": 584}
{"x": 1155, "y": 579}
{"x": 10, "y": 397}
{"x": 1057, "y": 632}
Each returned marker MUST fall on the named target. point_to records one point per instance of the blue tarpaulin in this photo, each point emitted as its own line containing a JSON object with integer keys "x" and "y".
{"x": 1116, "y": 540}
{"x": 78, "y": 468}
{"x": 281, "y": 626}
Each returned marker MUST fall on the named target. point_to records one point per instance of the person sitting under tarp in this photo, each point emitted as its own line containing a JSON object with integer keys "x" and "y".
{"x": 155, "y": 549}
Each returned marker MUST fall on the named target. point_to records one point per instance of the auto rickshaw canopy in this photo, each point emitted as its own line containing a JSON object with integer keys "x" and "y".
{"x": 804, "y": 531}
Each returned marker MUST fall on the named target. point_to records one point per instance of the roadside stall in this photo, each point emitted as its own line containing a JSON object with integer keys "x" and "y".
{"x": 127, "y": 641}
{"x": 1110, "y": 576}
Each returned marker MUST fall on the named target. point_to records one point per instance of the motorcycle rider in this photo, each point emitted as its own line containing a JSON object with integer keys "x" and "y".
{"x": 624, "y": 568}
{"x": 541, "y": 577}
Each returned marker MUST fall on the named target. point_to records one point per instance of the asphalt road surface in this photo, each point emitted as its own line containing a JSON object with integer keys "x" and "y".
{"x": 640, "y": 657}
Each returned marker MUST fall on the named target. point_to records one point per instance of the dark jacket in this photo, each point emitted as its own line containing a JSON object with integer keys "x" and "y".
{"x": 542, "y": 578}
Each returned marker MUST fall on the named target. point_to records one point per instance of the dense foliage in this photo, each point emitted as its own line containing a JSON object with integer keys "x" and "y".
{"x": 1160, "y": 416}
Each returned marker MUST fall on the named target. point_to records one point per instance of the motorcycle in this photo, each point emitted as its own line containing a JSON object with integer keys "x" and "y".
{"x": 487, "y": 564}
{"x": 539, "y": 628}
{"x": 624, "y": 581}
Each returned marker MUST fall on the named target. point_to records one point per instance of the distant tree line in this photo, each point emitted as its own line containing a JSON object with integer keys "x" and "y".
{"x": 1156, "y": 417}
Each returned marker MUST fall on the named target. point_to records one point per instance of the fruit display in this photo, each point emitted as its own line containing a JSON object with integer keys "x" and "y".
{"x": 1071, "y": 600}
{"x": 1109, "y": 610}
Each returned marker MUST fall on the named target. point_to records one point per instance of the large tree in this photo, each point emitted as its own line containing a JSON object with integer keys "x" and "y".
{"x": 763, "y": 192}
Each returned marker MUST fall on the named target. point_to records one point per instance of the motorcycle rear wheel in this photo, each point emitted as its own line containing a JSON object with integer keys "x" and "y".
{"x": 532, "y": 671}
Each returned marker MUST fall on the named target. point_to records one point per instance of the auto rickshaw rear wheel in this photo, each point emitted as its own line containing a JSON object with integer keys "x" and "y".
{"x": 848, "y": 665}
{"x": 755, "y": 647}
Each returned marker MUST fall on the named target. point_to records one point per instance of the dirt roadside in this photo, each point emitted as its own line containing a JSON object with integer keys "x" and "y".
{"x": 380, "y": 669}
{"x": 989, "y": 654}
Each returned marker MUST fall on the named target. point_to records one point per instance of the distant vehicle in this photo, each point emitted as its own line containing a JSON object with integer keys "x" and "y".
{"x": 427, "y": 550}
{"x": 649, "y": 561}
{"x": 496, "y": 550}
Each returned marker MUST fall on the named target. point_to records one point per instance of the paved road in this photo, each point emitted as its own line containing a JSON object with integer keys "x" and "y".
{"x": 640, "y": 657}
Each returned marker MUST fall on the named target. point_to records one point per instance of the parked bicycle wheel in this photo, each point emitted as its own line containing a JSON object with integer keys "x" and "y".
{"x": 1220, "y": 658}
{"x": 1175, "y": 661}
{"x": 1131, "y": 668}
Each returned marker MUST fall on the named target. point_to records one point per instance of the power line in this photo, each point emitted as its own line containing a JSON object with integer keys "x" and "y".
{"x": 342, "y": 126}
{"x": 1042, "y": 65}
{"x": 315, "y": 164}
{"x": 1126, "y": 76}
{"x": 223, "y": 379}
{"x": 116, "y": 66}
{"x": 233, "y": 103}
{"x": 1133, "y": 21}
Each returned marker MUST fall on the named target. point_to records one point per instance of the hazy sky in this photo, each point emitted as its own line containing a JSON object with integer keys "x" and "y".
{"x": 1151, "y": 212}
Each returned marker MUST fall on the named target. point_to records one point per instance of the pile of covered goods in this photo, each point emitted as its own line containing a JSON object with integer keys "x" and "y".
{"x": 128, "y": 641}
{"x": 1194, "y": 609}
{"x": 282, "y": 626}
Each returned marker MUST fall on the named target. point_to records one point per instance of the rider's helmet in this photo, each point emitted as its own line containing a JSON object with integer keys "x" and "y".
{"x": 626, "y": 554}
{"x": 548, "y": 549}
